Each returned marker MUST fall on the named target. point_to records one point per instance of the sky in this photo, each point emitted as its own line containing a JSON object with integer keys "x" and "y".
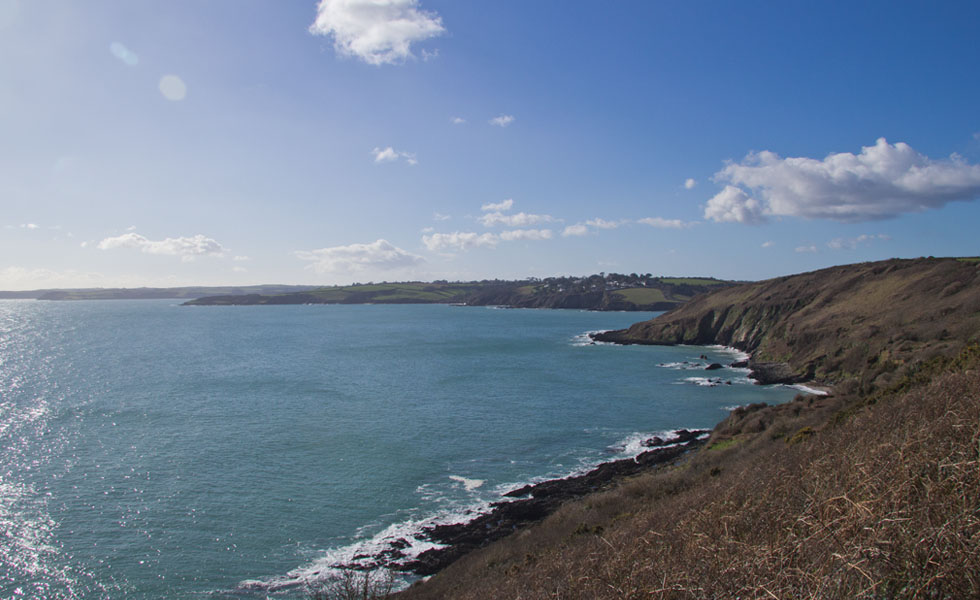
{"x": 234, "y": 142}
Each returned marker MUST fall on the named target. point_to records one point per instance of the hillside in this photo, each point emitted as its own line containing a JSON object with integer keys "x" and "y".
{"x": 860, "y": 322}
{"x": 871, "y": 492}
{"x": 611, "y": 291}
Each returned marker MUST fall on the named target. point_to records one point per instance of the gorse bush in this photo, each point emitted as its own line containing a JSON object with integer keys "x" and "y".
{"x": 353, "y": 585}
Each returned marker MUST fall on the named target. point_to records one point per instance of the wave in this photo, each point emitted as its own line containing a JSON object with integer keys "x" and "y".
{"x": 585, "y": 339}
{"x": 404, "y": 540}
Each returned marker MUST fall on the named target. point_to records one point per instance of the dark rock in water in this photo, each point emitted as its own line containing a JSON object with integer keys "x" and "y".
{"x": 703, "y": 357}
{"x": 400, "y": 544}
{"x": 545, "y": 497}
{"x": 773, "y": 372}
{"x": 713, "y": 367}
{"x": 652, "y": 442}
{"x": 740, "y": 364}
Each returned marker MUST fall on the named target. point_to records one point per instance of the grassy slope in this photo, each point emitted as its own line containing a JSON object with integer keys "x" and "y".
{"x": 862, "y": 321}
{"x": 872, "y": 493}
{"x": 796, "y": 504}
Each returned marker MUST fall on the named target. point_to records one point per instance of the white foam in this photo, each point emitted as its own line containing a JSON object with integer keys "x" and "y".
{"x": 809, "y": 390}
{"x": 705, "y": 381}
{"x": 585, "y": 339}
{"x": 468, "y": 484}
{"x": 683, "y": 366}
{"x": 736, "y": 354}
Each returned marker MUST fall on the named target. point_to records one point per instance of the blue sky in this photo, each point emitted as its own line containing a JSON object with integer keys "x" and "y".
{"x": 236, "y": 142}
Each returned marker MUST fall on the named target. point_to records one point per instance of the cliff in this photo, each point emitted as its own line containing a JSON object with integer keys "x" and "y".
{"x": 863, "y": 322}
{"x": 871, "y": 492}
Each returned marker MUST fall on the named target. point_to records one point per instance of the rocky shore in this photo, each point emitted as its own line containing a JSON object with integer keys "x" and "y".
{"x": 525, "y": 506}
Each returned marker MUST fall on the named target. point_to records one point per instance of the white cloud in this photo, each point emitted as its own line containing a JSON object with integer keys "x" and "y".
{"x": 239, "y": 269}
{"x": 457, "y": 120}
{"x": 173, "y": 88}
{"x": 240, "y": 258}
{"x": 733, "y": 205}
{"x": 378, "y": 255}
{"x": 186, "y": 247}
{"x": 768, "y": 244}
{"x": 805, "y": 249}
{"x": 689, "y": 184}
{"x": 83, "y": 245}
{"x": 526, "y": 234}
{"x": 520, "y": 219}
{"x": 603, "y": 224}
{"x": 459, "y": 240}
{"x": 440, "y": 217}
{"x": 124, "y": 54}
{"x": 389, "y": 154}
{"x": 499, "y": 206}
{"x": 853, "y": 243}
{"x": 502, "y": 120}
{"x": 883, "y": 181}
{"x": 30, "y": 226}
{"x": 376, "y": 31}
{"x": 577, "y": 229}
{"x": 662, "y": 223}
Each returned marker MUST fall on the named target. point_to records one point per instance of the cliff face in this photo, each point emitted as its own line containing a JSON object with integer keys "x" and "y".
{"x": 863, "y": 321}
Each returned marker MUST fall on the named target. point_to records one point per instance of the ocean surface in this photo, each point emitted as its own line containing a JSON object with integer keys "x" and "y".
{"x": 150, "y": 450}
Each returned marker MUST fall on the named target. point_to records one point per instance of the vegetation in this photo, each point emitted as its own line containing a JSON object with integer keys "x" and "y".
{"x": 866, "y": 323}
{"x": 353, "y": 585}
{"x": 872, "y": 492}
{"x": 882, "y": 504}
{"x": 612, "y": 291}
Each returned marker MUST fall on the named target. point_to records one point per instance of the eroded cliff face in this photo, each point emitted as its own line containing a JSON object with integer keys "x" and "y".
{"x": 864, "y": 322}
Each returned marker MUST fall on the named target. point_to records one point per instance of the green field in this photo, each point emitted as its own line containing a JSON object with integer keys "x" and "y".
{"x": 641, "y": 295}
{"x": 691, "y": 281}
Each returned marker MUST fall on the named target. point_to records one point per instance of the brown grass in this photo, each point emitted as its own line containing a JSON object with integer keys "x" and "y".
{"x": 882, "y": 502}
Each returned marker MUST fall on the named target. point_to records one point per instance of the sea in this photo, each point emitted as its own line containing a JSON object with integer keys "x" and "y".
{"x": 152, "y": 450}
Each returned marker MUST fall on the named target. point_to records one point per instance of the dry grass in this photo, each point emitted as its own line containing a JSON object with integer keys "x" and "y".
{"x": 884, "y": 503}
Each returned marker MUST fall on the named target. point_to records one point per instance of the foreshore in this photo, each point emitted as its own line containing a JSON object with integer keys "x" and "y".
{"x": 523, "y": 506}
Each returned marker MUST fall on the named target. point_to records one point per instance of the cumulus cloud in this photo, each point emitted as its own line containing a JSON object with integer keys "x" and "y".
{"x": 440, "y": 217}
{"x": 502, "y": 120}
{"x": 499, "y": 206}
{"x": 768, "y": 244}
{"x": 520, "y": 219}
{"x": 853, "y": 243}
{"x": 603, "y": 224}
{"x": 29, "y": 226}
{"x": 188, "y": 248}
{"x": 459, "y": 240}
{"x": 882, "y": 181}
{"x": 689, "y": 184}
{"x": 577, "y": 229}
{"x": 457, "y": 120}
{"x": 661, "y": 223}
{"x": 734, "y": 205}
{"x": 378, "y": 255}
{"x": 389, "y": 154}
{"x": 376, "y": 31}
{"x": 526, "y": 234}
{"x": 806, "y": 249}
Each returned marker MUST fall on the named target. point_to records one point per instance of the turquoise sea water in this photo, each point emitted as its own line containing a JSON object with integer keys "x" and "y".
{"x": 149, "y": 450}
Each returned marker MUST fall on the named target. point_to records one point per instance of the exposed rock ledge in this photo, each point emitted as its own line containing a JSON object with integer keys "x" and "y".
{"x": 535, "y": 502}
